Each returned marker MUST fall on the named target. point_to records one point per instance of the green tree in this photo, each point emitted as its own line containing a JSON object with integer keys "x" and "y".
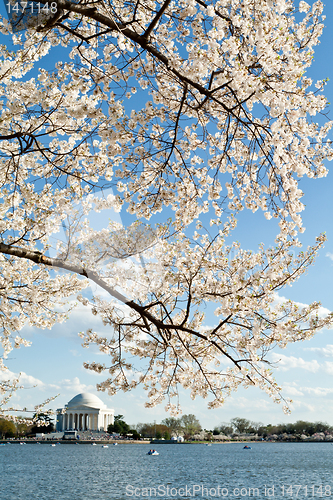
{"x": 173, "y": 424}
{"x": 119, "y": 426}
{"x": 43, "y": 423}
{"x": 24, "y": 428}
{"x": 135, "y": 434}
{"x": 7, "y": 428}
{"x": 241, "y": 425}
{"x": 254, "y": 427}
{"x": 225, "y": 429}
{"x": 153, "y": 430}
{"x": 190, "y": 425}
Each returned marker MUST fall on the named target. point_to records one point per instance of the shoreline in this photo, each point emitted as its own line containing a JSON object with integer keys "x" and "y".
{"x": 152, "y": 442}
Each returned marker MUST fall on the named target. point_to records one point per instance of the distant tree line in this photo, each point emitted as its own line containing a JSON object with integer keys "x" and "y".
{"x": 122, "y": 428}
{"x": 243, "y": 426}
{"x": 186, "y": 426}
{"x": 41, "y": 422}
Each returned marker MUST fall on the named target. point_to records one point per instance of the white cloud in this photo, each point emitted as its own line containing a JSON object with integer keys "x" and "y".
{"x": 280, "y": 299}
{"x": 80, "y": 319}
{"x": 328, "y": 367}
{"x": 318, "y": 391}
{"x": 303, "y": 405}
{"x": 71, "y": 386}
{"x": 25, "y": 379}
{"x": 285, "y": 363}
{"x": 291, "y": 391}
{"x": 326, "y": 352}
{"x": 74, "y": 386}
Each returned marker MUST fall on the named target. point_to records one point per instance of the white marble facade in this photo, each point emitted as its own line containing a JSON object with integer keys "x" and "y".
{"x": 84, "y": 412}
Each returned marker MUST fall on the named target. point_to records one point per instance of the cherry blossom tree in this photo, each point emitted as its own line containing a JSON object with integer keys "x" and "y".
{"x": 191, "y": 112}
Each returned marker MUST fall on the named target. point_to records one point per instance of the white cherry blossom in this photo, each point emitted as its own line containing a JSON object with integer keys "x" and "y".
{"x": 191, "y": 111}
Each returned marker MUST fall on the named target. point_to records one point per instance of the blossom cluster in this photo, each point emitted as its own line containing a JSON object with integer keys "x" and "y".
{"x": 190, "y": 111}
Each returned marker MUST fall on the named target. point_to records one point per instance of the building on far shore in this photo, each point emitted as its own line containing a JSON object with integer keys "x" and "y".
{"x": 84, "y": 412}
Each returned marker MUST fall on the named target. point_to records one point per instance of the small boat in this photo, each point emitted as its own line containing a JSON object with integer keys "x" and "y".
{"x": 104, "y": 446}
{"x": 247, "y": 447}
{"x": 93, "y": 444}
{"x": 52, "y": 444}
{"x": 152, "y": 452}
{"x": 115, "y": 444}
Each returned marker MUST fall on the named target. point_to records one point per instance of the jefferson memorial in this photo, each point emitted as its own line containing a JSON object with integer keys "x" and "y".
{"x": 84, "y": 412}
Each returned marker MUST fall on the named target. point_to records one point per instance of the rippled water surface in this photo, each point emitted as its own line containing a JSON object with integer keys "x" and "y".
{"x": 86, "y": 472}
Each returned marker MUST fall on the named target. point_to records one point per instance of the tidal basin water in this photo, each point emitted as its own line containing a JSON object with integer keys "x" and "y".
{"x": 267, "y": 471}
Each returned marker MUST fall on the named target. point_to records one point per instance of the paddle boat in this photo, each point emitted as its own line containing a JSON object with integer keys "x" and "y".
{"x": 152, "y": 452}
{"x": 247, "y": 447}
{"x": 104, "y": 446}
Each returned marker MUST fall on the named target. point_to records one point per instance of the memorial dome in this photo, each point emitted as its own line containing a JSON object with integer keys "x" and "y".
{"x": 87, "y": 400}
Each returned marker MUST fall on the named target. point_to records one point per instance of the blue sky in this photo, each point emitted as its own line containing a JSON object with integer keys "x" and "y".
{"x": 54, "y": 361}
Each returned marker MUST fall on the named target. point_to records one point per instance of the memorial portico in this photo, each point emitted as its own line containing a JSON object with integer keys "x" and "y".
{"x": 84, "y": 412}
